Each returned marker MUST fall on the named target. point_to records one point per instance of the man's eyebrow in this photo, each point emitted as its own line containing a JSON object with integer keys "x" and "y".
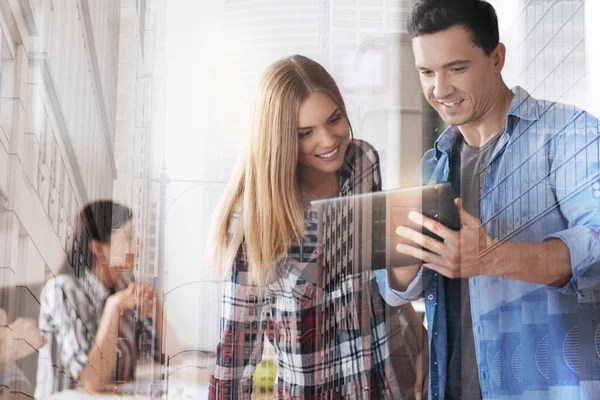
{"x": 455, "y": 63}
{"x": 447, "y": 65}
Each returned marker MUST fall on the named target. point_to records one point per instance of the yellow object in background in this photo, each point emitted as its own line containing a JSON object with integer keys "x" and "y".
{"x": 264, "y": 375}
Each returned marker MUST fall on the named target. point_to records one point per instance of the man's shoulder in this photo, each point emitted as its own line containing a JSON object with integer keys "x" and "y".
{"x": 554, "y": 117}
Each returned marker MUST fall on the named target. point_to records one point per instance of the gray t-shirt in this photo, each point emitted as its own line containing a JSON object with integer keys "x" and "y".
{"x": 462, "y": 378}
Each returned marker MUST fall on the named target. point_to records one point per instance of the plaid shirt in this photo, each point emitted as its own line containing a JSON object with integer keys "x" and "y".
{"x": 332, "y": 339}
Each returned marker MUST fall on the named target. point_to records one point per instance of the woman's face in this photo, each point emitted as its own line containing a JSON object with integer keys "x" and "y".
{"x": 119, "y": 253}
{"x": 122, "y": 250}
{"x": 323, "y": 133}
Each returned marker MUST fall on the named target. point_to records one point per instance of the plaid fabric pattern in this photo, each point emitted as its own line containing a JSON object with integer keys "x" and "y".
{"x": 332, "y": 333}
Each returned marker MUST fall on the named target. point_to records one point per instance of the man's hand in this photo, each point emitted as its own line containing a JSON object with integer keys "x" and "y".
{"x": 457, "y": 256}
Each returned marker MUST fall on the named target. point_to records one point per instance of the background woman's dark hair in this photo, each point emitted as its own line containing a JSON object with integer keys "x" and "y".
{"x": 96, "y": 221}
{"x": 478, "y": 16}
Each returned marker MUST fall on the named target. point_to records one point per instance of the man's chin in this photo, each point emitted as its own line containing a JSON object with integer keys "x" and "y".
{"x": 455, "y": 120}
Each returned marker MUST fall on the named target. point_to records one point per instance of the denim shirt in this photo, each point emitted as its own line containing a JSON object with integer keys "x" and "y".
{"x": 532, "y": 341}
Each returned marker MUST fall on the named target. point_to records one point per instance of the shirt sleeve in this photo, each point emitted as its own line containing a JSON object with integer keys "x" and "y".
{"x": 413, "y": 292}
{"x": 60, "y": 321}
{"x": 577, "y": 186}
{"x": 417, "y": 286}
{"x": 243, "y": 325}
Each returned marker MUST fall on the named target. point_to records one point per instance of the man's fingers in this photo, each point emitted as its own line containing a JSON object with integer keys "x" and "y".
{"x": 466, "y": 219}
{"x": 434, "y": 226}
{"x": 427, "y": 242}
{"x": 425, "y": 256}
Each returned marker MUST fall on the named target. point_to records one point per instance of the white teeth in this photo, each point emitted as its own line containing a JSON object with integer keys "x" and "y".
{"x": 330, "y": 154}
{"x": 454, "y": 104}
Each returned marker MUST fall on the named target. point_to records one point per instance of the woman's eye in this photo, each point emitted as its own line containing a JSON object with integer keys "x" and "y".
{"x": 302, "y": 135}
{"x": 335, "y": 120}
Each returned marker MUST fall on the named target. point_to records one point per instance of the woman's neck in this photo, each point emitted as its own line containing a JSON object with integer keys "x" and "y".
{"x": 101, "y": 272}
{"x": 319, "y": 185}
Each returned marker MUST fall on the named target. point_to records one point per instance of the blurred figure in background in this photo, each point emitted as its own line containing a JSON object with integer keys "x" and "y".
{"x": 87, "y": 312}
{"x": 17, "y": 340}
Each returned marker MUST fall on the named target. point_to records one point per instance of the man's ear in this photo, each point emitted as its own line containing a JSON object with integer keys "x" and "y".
{"x": 498, "y": 57}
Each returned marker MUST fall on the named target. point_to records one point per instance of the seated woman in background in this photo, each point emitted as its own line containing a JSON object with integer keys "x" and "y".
{"x": 86, "y": 314}
{"x": 301, "y": 149}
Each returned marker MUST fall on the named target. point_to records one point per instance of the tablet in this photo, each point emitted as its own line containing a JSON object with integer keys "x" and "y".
{"x": 358, "y": 233}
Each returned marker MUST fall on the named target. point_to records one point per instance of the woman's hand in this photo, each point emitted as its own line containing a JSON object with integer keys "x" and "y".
{"x": 124, "y": 299}
{"x": 142, "y": 295}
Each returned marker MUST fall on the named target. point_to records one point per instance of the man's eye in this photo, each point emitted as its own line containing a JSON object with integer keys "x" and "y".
{"x": 458, "y": 69}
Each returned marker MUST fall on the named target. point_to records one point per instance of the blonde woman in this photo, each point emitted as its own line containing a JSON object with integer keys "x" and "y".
{"x": 301, "y": 149}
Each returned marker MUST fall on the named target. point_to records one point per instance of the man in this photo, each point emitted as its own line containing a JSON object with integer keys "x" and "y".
{"x": 512, "y": 300}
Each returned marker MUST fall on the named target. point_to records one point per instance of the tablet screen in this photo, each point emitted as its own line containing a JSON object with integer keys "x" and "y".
{"x": 358, "y": 233}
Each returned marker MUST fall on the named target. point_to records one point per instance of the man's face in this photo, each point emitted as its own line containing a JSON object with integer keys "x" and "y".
{"x": 458, "y": 79}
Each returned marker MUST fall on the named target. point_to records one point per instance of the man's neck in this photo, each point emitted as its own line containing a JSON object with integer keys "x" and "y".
{"x": 478, "y": 132}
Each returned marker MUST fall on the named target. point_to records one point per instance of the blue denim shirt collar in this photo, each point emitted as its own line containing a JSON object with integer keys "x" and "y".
{"x": 523, "y": 106}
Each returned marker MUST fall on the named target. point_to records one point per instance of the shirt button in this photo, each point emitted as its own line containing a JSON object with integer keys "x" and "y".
{"x": 480, "y": 329}
{"x": 430, "y": 297}
{"x": 366, "y": 389}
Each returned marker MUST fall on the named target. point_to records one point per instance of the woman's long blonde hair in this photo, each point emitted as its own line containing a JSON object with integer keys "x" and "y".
{"x": 262, "y": 206}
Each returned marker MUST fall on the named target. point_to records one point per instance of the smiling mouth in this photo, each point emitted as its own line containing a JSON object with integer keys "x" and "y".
{"x": 451, "y": 104}
{"x": 329, "y": 155}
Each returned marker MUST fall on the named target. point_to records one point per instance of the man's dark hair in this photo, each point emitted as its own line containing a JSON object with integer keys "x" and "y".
{"x": 478, "y": 16}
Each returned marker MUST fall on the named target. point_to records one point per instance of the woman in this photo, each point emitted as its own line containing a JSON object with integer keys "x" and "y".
{"x": 301, "y": 149}
{"x": 87, "y": 313}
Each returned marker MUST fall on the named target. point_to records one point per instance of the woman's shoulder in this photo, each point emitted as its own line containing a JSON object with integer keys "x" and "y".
{"x": 65, "y": 282}
{"x": 362, "y": 147}
{"x": 59, "y": 289}
{"x": 362, "y": 158}
{"x": 361, "y": 153}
